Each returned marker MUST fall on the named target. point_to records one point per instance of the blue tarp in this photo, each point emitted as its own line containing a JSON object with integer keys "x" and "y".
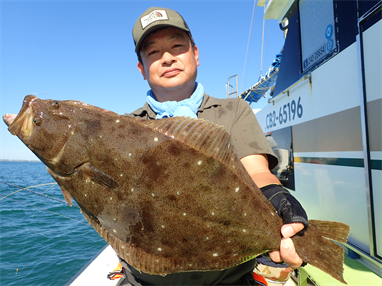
{"x": 265, "y": 82}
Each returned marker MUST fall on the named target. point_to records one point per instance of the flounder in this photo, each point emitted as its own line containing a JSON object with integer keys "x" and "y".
{"x": 168, "y": 195}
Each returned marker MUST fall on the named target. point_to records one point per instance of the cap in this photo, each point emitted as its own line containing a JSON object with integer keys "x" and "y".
{"x": 155, "y": 18}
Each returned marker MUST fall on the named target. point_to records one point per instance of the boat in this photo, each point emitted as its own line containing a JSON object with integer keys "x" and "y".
{"x": 324, "y": 113}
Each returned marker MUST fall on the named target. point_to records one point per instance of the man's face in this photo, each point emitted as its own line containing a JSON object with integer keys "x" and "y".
{"x": 169, "y": 62}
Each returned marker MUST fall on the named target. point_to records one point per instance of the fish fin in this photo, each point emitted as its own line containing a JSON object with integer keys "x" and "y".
{"x": 316, "y": 248}
{"x": 153, "y": 264}
{"x": 98, "y": 176}
{"x": 67, "y": 196}
{"x": 207, "y": 137}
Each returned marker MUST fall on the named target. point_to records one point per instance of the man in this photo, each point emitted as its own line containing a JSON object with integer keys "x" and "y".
{"x": 168, "y": 60}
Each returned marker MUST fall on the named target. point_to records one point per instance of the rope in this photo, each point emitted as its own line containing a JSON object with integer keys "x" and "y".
{"x": 267, "y": 49}
{"x": 40, "y": 194}
{"x": 249, "y": 41}
{"x": 262, "y": 48}
{"x": 47, "y": 190}
{"x": 47, "y": 211}
{"x": 34, "y": 192}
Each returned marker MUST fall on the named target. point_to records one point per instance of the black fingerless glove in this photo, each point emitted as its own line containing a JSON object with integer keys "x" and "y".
{"x": 287, "y": 207}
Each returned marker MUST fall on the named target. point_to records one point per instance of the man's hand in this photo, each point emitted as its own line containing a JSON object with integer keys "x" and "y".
{"x": 295, "y": 222}
{"x": 287, "y": 252}
{"x": 287, "y": 207}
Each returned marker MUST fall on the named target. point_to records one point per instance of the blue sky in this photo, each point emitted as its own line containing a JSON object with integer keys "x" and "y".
{"x": 83, "y": 50}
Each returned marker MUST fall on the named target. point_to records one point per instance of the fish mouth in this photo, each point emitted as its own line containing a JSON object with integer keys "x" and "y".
{"x": 8, "y": 118}
{"x": 22, "y": 124}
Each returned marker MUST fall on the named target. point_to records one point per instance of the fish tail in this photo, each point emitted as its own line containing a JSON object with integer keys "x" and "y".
{"x": 317, "y": 248}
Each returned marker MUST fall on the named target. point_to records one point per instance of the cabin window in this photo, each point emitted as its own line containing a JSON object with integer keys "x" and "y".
{"x": 318, "y": 32}
{"x": 281, "y": 143}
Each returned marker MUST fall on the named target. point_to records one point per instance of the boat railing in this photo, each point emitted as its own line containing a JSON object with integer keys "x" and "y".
{"x": 286, "y": 91}
{"x": 228, "y": 86}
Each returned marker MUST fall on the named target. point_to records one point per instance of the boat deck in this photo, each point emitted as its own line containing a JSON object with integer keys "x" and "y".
{"x": 96, "y": 270}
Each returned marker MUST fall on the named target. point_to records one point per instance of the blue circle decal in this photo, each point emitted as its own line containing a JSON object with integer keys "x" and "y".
{"x": 329, "y": 45}
{"x": 329, "y": 31}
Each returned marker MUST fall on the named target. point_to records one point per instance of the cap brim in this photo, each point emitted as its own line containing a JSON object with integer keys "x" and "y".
{"x": 154, "y": 27}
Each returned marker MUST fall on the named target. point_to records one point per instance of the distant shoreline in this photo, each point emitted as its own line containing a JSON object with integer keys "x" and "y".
{"x": 8, "y": 160}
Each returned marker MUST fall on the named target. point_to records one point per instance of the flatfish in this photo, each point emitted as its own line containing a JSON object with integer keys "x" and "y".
{"x": 168, "y": 195}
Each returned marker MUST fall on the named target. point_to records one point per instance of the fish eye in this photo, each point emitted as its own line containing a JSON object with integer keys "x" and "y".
{"x": 54, "y": 104}
{"x": 37, "y": 121}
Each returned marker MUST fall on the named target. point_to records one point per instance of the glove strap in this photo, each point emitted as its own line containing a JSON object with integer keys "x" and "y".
{"x": 287, "y": 207}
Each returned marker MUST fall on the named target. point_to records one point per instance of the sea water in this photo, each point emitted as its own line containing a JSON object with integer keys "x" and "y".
{"x": 42, "y": 241}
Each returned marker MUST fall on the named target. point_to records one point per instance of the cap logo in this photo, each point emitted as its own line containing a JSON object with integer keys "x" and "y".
{"x": 156, "y": 15}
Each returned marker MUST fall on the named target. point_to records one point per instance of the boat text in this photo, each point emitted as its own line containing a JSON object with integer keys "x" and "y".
{"x": 288, "y": 112}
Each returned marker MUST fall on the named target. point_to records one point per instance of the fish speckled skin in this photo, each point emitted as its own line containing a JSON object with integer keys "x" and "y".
{"x": 168, "y": 195}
